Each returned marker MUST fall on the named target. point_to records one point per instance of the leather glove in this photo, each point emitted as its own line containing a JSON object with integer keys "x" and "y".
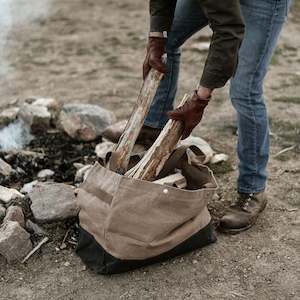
{"x": 190, "y": 114}
{"x": 155, "y": 50}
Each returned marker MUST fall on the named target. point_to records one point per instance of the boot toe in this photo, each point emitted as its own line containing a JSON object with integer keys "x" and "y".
{"x": 232, "y": 222}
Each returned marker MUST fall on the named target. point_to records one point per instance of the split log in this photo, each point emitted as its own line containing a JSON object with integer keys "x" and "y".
{"x": 121, "y": 155}
{"x": 154, "y": 160}
{"x": 176, "y": 180}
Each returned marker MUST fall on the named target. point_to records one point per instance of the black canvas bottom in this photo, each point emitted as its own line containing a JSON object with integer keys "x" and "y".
{"x": 101, "y": 262}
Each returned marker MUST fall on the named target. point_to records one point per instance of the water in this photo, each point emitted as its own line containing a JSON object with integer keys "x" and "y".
{"x": 15, "y": 136}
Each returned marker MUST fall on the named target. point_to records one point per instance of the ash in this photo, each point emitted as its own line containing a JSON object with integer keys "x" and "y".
{"x": 15, "y": 136}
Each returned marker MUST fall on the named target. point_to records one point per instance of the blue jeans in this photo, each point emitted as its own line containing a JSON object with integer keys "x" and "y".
{"x": 264, "y": 20}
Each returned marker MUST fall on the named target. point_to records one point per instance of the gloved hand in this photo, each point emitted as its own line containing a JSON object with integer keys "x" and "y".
{"x": 190, "y": 113}
{"x": 155, "y": 50}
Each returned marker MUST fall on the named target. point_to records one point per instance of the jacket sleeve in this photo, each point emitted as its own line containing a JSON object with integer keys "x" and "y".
{"x": 161, "y": 14}
{"x": 225, "y": 19}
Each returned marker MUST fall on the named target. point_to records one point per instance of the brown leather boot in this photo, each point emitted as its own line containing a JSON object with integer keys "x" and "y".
{"x": 243, "y": 213}
{"x": 148, "y": 136}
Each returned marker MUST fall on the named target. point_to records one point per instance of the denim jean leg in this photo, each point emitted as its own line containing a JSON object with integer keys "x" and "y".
{"x": 188, "y": 19}
{"x": 264, "y": 20}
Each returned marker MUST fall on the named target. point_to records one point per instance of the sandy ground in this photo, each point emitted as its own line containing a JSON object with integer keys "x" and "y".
{"x": 91, "y": 51}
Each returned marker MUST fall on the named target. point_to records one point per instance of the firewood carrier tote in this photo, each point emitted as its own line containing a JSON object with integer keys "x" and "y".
{"x": 127, "y": 223}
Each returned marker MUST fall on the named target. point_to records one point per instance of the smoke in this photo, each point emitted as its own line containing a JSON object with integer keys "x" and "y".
{"x": 17, "y": 13}
{"x": 15, "y": 136}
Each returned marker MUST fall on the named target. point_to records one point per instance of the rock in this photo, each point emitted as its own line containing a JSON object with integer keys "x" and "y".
{"x": 15, "y": 242}
{"x": 45, "y": 174}
{"x": 50, "y": 103}
{"x": 35, "y": 229}
{"x": 7, "y": 195}
{"x": 5, "y": 168}
{"x": 36, "y": 117}
{"x": 54, "y": 106}
{"x": 15, "y": 214}
{"x": 8, "y": 116}
{"x": 2, "y": 212}
{"x": 114, "y": 131}
{"x": 84, "y": 122}
{"x": 53, "y": 202}
{"x": 103, "y": 149}
{"x": 82, "y": 173}
{"x": 28, "y": 187}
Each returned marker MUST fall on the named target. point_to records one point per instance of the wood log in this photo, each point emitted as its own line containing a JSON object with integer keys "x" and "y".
{"x": 153, "y": 162}
{"x": 121, "y": 155}
{"x": 176, "y": 180}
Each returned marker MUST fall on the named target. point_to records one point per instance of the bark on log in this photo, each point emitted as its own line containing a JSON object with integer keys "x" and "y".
{"x": 120, "y": 156}
{"x": 153, "y": 162}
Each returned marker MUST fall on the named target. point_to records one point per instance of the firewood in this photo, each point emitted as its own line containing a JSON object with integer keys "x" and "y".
{"x": 121, "y": 155}
{"x": 153, "y": 162}
{"x": 176, "y": 180}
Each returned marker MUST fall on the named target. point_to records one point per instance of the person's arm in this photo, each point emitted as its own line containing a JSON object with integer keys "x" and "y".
{"x": 227, "y": 24}
{"x": 161, "y": 15}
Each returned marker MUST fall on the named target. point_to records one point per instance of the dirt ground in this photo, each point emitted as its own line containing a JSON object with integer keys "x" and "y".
{"x": 92, "y": 51}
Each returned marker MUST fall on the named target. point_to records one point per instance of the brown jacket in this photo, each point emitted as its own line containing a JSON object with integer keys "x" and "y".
{"x": 225, "y": 19}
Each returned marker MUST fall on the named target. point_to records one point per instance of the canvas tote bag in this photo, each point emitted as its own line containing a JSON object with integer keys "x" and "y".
{"x": 127, "y": 223}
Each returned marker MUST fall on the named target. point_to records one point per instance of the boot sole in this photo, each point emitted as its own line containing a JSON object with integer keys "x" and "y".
{"x": 238, "y": 230}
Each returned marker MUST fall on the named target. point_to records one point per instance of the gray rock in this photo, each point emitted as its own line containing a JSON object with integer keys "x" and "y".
{"x": 5, "y": 168}
{"x": 85, "y": 122}
{"x": 114, "y": 131}
{"x": 45, "y": 174}
{"x": 15, "y": 214}
{"x": 53, "y": 202}
{"x": 8, "y": 116}
{"x": 7, "y": 195}
{"x": 15, "y": 242}
{"x": 36, "y": 117}
{"x": 35, "y": 229}
{"x": 28, "y": 187}
{"x": 82, "y": 173}
{"x": 50, "y": 103}
{"x": 2, "y": 212}
{"x": 53, "y": 105}
{"x": 103, "y": 149}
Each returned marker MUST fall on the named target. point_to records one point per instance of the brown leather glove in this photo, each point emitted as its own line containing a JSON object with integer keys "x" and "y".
{"x": 155, "y": 50}
{"x": 190, "y": 114}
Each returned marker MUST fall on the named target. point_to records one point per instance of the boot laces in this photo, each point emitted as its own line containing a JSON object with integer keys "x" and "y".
{"x": 244, "y": 202}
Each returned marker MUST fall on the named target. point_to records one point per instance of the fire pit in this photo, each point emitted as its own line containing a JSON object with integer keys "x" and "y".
{"x": 45, "y": 150}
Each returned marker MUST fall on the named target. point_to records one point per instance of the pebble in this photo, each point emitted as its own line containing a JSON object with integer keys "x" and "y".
{"x": 45, "y": 175}
{"x": 35, "y": 229}
{"x": 7, "y": 195}
{"x": 28, "y": 187}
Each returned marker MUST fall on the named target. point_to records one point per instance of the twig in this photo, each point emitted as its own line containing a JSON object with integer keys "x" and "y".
{"x": 285, "y": 150}
{"x": 35, "y": 249}
{"x": 63, "y": 243}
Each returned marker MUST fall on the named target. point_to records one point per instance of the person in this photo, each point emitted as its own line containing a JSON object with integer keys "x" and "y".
{"x": 245, "y": 33}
